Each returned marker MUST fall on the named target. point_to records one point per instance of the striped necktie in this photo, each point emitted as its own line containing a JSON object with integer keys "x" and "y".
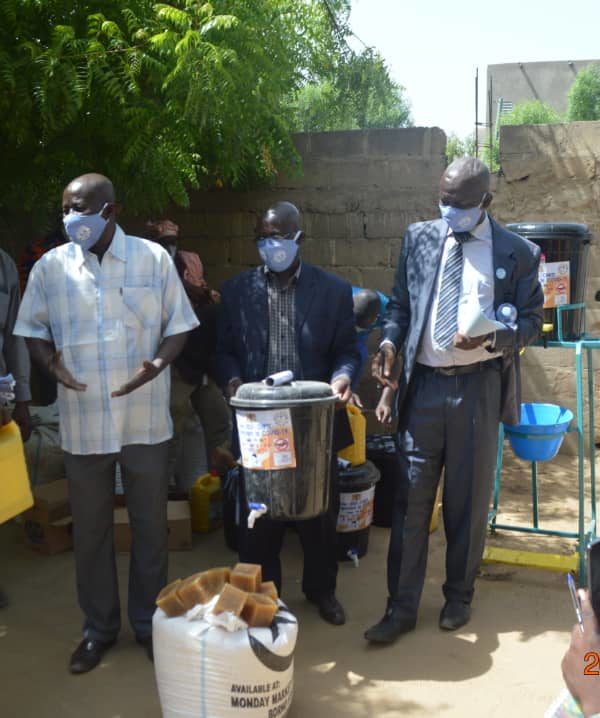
{"x": 446, "y": 320}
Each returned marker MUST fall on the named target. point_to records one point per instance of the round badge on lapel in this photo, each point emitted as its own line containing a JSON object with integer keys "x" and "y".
{"x": 501, "y": 273}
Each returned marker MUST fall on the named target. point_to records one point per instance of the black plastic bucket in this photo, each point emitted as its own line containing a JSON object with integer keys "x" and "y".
{"x": 382, "y": 450}
{"x": 357, "y": 496}
{"x": 294, "y": 492}
{"x": 564, "y": 243}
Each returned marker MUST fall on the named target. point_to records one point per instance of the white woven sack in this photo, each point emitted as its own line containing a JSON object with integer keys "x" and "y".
{"x": 203, "y": 671}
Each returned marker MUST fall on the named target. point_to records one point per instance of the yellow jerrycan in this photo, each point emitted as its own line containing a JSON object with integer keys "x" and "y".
{"x": 206, "y": 503}
{"x": 15, "y": 493}
{"x": 356, "y": 453}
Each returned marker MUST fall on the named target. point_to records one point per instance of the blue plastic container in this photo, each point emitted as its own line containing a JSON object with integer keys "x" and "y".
{"x": 541, "y": 432}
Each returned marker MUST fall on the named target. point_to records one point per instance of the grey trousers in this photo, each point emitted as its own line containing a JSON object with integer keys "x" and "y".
{"x": 450, "y": 423}
{"x": 91, "y": 491}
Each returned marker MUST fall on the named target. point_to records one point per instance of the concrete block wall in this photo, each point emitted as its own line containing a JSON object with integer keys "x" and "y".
{"x": 357, "y": 193}
{"x": 552, "y": 173}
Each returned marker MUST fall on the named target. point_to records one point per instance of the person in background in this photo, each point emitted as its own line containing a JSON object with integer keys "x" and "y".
{"x": 585, "y": 645}
{"x": 35, "y": 249}
{"x": 43, "y": 387}
{"x": 369, "y": 311}
{"x": 194, "y": 368}
{"x": 289, "y": 315}
{"x": 14, "y": 357}
{"x": 105, "y": 314}
{"x": 454, "y": 389}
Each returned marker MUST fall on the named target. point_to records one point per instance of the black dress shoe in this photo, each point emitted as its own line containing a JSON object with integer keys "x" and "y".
{"x": 330, "y": 609}
{"x": 88, "y": 655}
{"x": 146, "y": 643}
{"x": 454, "y": 615}
{"x": 393, "y": 625}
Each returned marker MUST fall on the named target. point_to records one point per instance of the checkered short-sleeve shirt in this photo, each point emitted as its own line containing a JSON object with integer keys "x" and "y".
{"x": 107, "y": 318}
{"x": 283, "y": 349}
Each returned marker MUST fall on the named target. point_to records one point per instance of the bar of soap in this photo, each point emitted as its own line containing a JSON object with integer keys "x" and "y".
{"x": 168, "y": 600}
{"x": 268, "y": 588}
{"x": 259, "y": 610}
{"x": 202, "y": 587}
{"x": 247, "y": 576}
{"x": 231, "y": 599}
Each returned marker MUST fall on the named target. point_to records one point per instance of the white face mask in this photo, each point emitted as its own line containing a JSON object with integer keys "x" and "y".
{"x": 85, "y": 229}
{"x": 277, "y": 253}
{"x": 461, "y": 220}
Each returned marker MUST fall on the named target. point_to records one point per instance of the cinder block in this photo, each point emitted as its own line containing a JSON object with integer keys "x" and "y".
{"x": 243, "y": 252}
{"x": 350, "y": 274}
{"x": 319, "y": 226}
{"x": 386, "y": 224}
{"x": 406, "y": 141}
{"x": 212, "y": 252}
{"x": 395, "y": 247}
{"x": 361, "y": 253}
{"x": 336, "y": 145}
{"x": 381, "y": 279}
{"x": 244, "y": 225}
{"x": 225, "y": 272}
{"x": 318, "y": 251}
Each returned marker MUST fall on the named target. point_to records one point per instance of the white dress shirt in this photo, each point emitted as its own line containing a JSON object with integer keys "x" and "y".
{"x": 477, "y": 288}
{"x": 107, "y": 318}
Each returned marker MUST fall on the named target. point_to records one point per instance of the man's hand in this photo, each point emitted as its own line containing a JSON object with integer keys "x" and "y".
{"x": 461, "y": 341}
{"x": 342, "y": 388}
{"x": 21, "y": 416}
{"x": 355, "y": 401}
{"x": 384, "y": 413}
{"x": 232, "y": 387}
{"x": 583, "y": 688}
{"x": 150, "y": 370}
{"x": 383, "y": 364}
{"x": 62, "y": 375}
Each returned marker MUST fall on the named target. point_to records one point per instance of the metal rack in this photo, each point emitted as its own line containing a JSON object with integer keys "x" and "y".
{"x": 583, "y": 346}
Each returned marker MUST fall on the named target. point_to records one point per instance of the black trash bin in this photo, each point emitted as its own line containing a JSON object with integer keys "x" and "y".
{"x": 382, "y": 450}
{"x": 568, "y": 243}
{"x": 264, "y": 415}
{"x": 357, "y": 495}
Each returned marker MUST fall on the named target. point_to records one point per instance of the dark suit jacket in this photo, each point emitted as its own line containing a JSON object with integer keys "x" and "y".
{"x": 414, "y": 288}
{"x": 324, "y": 327}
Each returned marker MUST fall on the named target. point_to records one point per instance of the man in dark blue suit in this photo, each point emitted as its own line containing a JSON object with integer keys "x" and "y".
{"x": 456, "y": 385}
{"x": 289, "y": 315}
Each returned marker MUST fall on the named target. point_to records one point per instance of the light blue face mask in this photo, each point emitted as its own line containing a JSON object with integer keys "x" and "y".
{"x": 85, "y": 229}
{"x": 278, "y": 254}
{"x": 461, "y": 220}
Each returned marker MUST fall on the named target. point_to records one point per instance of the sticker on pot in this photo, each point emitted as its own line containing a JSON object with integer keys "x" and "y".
{"x": 555, "y": 280}
{"x": 356, "y": 510}
{"x": 266, "y": 439}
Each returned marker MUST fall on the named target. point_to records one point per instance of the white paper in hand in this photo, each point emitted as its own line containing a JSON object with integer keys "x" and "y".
{"x": 476, "y": 324}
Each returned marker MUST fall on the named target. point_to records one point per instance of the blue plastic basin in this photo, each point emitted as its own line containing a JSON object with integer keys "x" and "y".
{"x": 541, "y": 432}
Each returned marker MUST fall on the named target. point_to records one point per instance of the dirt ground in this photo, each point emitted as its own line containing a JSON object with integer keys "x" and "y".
{"x": 506, "y": 660}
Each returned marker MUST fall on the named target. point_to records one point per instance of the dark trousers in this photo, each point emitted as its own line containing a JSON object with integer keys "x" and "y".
{"x": 318, "y": 537}
{"x": 262, "y": 544}
{"x": 91, "y": 491}
{"x": 450, "y": 423}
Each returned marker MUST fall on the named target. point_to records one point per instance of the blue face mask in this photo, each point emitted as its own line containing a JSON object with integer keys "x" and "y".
{"x": 461, "y": 220}
{"x": 278, "y": 254}
{"x": 85, "y": 229}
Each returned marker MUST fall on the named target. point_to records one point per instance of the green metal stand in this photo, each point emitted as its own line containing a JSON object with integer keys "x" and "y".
{"x": 584, "y": 345}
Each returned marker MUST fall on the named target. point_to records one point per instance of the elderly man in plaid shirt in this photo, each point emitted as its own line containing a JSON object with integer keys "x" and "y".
{"x": 105, "y": 315}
